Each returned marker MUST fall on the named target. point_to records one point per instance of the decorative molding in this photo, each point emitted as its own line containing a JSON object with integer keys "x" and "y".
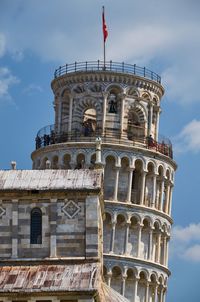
{"x": 71, "y": 209}
{"x": 2, "y": 211}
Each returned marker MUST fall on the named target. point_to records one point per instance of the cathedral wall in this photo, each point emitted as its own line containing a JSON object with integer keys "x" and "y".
{"x": 70, "y": 226}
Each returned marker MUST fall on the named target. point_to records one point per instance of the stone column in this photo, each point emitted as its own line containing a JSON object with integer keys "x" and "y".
{"x": 147, "y": 292}
{"x": 98, "y": 152}
{"x": 162, "y": 193}
{"x": 142, "y": 187}
{"x": 150, "y": 118}
{"x": 70, "y": 114}
{"x": 167, "y": 251}
{"x": 135, "y": 290}
{"x": 167, "y": 197}
{"x": 14, "y": 228}
{"x": 139, "y": 239}
{"x": 126, "y": 237}
{"x": 161, "y": 294}
{"x": 59, "y": 113}
{"x": 109, "y": 276}
{"x": 53, "y": 226}
{"x": 154, "y": 190}
{"x": 112, "y": 237}
{"x": 124, "y": 276}
{"x": 169, "y": 210}
{"x": 130, "y": 179}
{"x": 158, "y": 247}
{"x": 164, "y": 294}
{"x": 157, "y": 123}
{"x": 122, "y": 115}
{"x": 164, "y": 249}
{"x": 150, "y": 244}
{"x": 156, "y": 293}
{"x": 105, "y": 96}
{"x": 116, "y": 182}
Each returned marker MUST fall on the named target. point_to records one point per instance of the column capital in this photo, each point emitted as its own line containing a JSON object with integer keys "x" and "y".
{"x": 144, "y": 172}
{"x": 123, "y": 95}
{"x": 128, "y": 223}
{"x": 105, "y": 94}
{"x": 117, "y": 167}
{"x": 113, "y": 223}
{"x": 131, "y": 169}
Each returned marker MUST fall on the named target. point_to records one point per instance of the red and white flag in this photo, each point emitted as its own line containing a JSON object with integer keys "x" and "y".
{"x": 105, "y": 30}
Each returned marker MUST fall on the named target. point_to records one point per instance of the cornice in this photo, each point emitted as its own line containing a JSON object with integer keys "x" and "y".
{"x": 109, "y": 77}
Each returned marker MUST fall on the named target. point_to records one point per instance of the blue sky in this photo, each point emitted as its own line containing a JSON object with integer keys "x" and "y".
{"x": 38, "y": 36}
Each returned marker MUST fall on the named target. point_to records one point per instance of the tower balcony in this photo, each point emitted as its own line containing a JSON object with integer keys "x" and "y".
{"x": 51, "y": 135}
{"x": 107, "y": 66}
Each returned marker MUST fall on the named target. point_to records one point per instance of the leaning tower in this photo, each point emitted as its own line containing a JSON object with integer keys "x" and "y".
{"x": 120, "y": 104}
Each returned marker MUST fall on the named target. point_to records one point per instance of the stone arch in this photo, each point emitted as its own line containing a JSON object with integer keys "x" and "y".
{"x": 79, "y": 88}
{"x": 65, "y": 91}
{"x": 81, "y": 106}
{"x": 155, "y": 100}
{"x": 109, "y": 176}
{"x": 159, "y": 186}
{"x": 136, "y": 180}
{"x": 120, "y": 231}
{"x": 149, "y": 186}
{"x": 80, "y": 160}
{"x": 124, "y": 155}
{"x": 161, "y": 169}
{"x": 152, "y": 285}
{"x": 115, "y": 87}
{"x": 107, "y": 231}
{"x": 92, "y": 160}
{"x": 123, "y": 179}
{"x": 141, "y": 291}
{"x": 116, "y": 280}
{"x": 137, "y": 217}
{"x": 66, "y": 161}
{"x": 130, "y": 282}
{"x": 153, "y": 163}
{"x": 113, "y": 100}
{"x": 144, "y": 244}
{"x": 54, "y": 162}
{"x": 96, "y": 87}
{"x": 156, "y": 240}
{"x": 133, "y": 235}
{"x": 146, "y": 95}
{"x": 113, "y": 154}
{"x": 157, "y": 224}
{"x": 154, "y": 277}
{"x": 135, "y": 121}
{"x": 43, "y": 162}
{"x": 132, "y": 92}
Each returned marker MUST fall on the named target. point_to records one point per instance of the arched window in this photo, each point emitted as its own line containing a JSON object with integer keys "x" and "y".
{"x": 36, "y": 226}
{"x": 89, "y": 122}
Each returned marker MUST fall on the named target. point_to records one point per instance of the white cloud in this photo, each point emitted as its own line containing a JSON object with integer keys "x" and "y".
{"x": 192, "y": 253}
{"x": 32, "y": 88}
{"x": 6, "y": 82}
{"x": 189, "y": 138}
{"x": 186, "y": 242}
{"x": 187, "y": 234}
{"x": 162, "y": 31}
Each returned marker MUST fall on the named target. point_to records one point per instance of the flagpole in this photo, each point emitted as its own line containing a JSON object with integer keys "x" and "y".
{"x": 104, "y": 45}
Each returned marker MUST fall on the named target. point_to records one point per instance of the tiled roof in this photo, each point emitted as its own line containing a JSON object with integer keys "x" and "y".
{"x": 50, "y": 179}
{"x": 49, "y": 278}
